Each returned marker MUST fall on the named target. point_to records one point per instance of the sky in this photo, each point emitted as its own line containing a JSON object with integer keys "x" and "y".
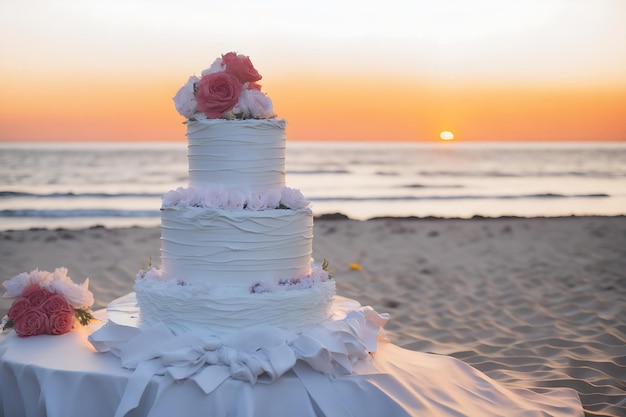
{"x": 378, "y": 70}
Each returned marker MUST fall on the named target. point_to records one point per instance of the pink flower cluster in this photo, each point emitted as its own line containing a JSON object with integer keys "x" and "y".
{"x": 228, "y": 89}
{"x": 39, "y": 311}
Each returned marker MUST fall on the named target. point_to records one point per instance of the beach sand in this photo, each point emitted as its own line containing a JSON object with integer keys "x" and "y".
{"x": 533, "y": 303}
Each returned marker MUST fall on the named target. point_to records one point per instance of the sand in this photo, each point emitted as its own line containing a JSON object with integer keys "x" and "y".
{"x": 533, "y": 303}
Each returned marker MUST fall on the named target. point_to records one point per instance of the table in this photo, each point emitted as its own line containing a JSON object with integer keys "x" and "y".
{"x": 64, "y": 376}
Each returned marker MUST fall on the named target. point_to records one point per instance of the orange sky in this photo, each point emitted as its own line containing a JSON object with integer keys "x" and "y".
{"x": 328, "y": 109}
{"x": 530, "y": 71}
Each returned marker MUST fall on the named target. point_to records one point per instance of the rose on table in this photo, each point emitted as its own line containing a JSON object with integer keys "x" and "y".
{"x": 46, "y": 303}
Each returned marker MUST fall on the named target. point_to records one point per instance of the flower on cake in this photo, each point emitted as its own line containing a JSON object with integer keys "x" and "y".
{"x": 221, "y": 198}
{"x": 319, "y": 274}
{"x": 46, "y": 303}
{"x": 226, "y": 90}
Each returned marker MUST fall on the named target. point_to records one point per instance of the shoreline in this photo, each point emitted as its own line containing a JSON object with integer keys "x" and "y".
{"x": 532, "y": 302}
{"x": 342, "y": 216}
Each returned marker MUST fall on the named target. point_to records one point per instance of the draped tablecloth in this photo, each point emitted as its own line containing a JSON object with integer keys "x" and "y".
{"x": 340, "y": 368}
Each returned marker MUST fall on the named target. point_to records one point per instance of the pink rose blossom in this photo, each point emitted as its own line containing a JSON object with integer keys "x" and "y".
{"x": 55, "y": 304}
{"x": 18, "y": 308}
{"x": 32, "y": 323}
{"x": 217, "y": 94}
{"x": 240, "y": 67}
{"x": 255, "y": 104}
{"x": 60, "y": 322}
{"x": 185, "y": 98}
{"x": 36, "y": 295}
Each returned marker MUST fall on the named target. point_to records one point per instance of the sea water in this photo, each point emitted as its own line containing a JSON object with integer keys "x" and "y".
{"x": 76, "y": 185}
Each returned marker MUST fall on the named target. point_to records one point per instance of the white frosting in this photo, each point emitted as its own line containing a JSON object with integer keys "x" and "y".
{"x": 182, "y": 309}
{"x": 237, "y": 153}
{"x": 218, "y": 248}
{"x": 232, "y": 256}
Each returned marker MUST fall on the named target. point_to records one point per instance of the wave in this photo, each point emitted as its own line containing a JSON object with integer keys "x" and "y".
{"x": 319, "y": 172}
{"x": 461, "y": 197}
{"x": 524, "y": 174}
{"x": 83, "y": 213}
{"x": 470, "y": 174}
{"x": 24, "y": 194}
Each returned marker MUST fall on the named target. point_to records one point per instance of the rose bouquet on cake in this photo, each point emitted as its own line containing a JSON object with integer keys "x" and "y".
{"x": 46, "y": 303}
{"x": 226, "y": 90}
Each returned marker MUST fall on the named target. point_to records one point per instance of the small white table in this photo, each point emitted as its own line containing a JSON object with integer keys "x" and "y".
{"x": 64, "y": 376}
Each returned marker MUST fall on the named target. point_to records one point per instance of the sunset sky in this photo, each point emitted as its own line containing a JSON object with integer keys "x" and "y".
{"x": 384, "y": 70}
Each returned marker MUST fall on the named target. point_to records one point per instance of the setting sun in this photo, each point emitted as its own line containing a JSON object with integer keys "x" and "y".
{"x": 446, "y": 135}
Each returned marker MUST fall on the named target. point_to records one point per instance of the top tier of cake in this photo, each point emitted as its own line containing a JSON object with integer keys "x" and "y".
{"x": 247, "y": 154}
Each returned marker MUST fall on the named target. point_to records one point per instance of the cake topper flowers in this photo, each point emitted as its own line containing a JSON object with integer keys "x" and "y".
{"x": 226, "y": 90}
{"x": 46, "y": 303}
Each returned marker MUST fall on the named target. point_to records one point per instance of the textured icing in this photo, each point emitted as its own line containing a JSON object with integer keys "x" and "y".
{"x": 237, "y": 153}
{"x": 236, "y": 244}
{"x": 183, "y": 309}
{"x": 214, "y": 248}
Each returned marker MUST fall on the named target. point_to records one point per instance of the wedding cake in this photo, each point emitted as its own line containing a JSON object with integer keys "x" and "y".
{"x": 236, "y": 244}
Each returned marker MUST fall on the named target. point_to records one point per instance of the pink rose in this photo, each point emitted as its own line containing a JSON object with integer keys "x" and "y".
{"x": 18, "y": 308}
{"x": 217, "y": 94}
{"x": 241, "y": 67}
{"x": 55, "y": 304}
{"x": 36, "y": 295}
{"x": 60, "y": 322}
{"x": 32, "y": 323}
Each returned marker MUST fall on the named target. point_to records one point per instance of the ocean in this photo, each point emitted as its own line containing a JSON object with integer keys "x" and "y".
{"x": 78, "y": 185}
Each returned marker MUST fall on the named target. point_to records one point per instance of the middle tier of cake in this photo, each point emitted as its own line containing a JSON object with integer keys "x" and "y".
{"x": 210, "y": 247}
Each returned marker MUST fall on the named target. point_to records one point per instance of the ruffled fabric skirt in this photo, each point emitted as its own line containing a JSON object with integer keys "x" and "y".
{"x": 340, "y": 368}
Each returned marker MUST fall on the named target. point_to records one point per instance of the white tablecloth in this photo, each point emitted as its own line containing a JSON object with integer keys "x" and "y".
{"x": 64, "y": 376}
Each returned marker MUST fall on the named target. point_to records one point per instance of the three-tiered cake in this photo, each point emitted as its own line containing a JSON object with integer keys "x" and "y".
{"x": 236, "y": 244}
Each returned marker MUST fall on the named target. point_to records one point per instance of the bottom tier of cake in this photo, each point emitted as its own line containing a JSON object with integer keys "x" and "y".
{"x": 219, "y": 312}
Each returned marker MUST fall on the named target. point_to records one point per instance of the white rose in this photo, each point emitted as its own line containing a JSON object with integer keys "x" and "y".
{"x": 215, "y": 198}
{"x": 60, "y": 274}
{"x": 15, "y": 286}
{"x": 77, "y": 296}
{"x": 185, "y": 99}
{"x": 254, "y": 104}
{"x": 236, "y": 199}
{"x": 216, "y": 66}
{"x": 190, "y": 197}
{"x": 257, "y": 201}
{"x": 273, "y": 198}
{"x": 293, "y": 198}
{"x": 171, "y": 198}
